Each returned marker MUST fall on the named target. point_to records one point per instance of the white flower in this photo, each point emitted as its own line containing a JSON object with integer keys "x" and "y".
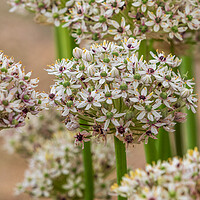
{"x": 109, "y": 116}
{"x": 160, "y": 19}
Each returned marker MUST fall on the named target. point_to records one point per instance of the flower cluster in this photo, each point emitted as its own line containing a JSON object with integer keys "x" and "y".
{"x": 18, "y": 96}
{"x": 109, "y": 90}
{"x": 56, "y": 170}
{"x": 176, "y": 179}
{"x": 26, "y": 140}
{"x": 98, "y": 19}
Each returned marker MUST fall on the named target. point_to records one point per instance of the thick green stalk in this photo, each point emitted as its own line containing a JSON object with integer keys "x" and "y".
{"x": 150, "y": 148}
{"x": 164, "y": 146}
{"x": 88, "y": 172}
{"x": 88, "y": 167}
{"x": 150, "y": 151}
{"x": 178, "y": 139}
{"x": 187, "y": 67}
{"x": 64, "y": 43}
{"x": 121, "y": 165}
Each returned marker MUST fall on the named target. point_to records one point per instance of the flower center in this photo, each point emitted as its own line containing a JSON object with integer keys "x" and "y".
{"x": 66, "y": 84}
{"x": 123, "y": 86}
{"x": 120, "y": 30}
{"x": 5, "y": 102}
{"x": 162, "y": 58}
{"x": 168, "y": 77}
{"x": 78, "y": 31}
{"x": 121, "y": 129}
{"x": 114, "y": 4}
{"x": 148, "y": 108}
{"x": 142, "y": 97}
{"x": 189, "y": 17}
{"x": 90, "y": 99}
{"x": 108, "y": 94}
{"x": 103, "y": 74}
{"x": 139, "y": 15}
{"x": 109, "y": 115}
{"x": 148, "y": 133}
{"x": 129, "y": 139}
{"x": 151, "y": 71}
{"x": 69, "y": 104}
{"x": 137, "y": 76}
{"x": 158, "y": 20}
{"x": 79, "y": 137}
{"x": 102, "y": 19}
{"x": 163, "y": 95}
{"x": 143, "y": 28}
{"x": 51, "y": 96}
{"x": 175, "y": 29}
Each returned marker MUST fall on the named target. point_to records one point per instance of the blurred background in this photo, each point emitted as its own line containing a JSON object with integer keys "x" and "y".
{"x": 33, "y": 45}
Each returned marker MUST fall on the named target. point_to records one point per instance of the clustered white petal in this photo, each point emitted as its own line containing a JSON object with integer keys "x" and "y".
{"x": 18, "y": 96}
{"x": 112, "y": 91}
{"x": 176, "y": 179}
{"x": 95, "y": 19}
{"x": 56, "y": 170}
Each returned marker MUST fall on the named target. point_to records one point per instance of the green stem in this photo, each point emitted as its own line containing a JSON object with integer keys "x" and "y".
{"x": 150, "y": 151}
{"x": 88, "y": 172}
{"x": 64, "y": 43}
{"x": 164, "y": 146}
{"x": 187, "y": 66}
{"x": 178, "y": 139}
{"x": 121, "y": 165}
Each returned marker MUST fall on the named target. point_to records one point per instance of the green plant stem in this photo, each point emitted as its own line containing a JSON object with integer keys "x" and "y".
{"x": 178, "y": 139}
{"x": 150, "y": 151}
{"x": 88, "y": 167}
{"x": 64, "y": 43}
{"x": 150, "y": 148}
{"x": 88, "y": 172}
{"x": 187, "y": 67}
{"x": 121, "y": 165}
{"x": 164, "y": 146}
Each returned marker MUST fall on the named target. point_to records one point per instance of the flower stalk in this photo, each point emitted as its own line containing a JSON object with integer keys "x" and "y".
{"x": 121, "y": 165}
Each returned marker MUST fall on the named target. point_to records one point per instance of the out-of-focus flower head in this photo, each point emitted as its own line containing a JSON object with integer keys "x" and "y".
{"x": 110, "y": 90}
{"x": 26, "y": 140}
{"x": 56, "y": 170}
{"x": 18, "y": 96}
{"x": 176, "y": 179}
{"x": 97, "y": 20}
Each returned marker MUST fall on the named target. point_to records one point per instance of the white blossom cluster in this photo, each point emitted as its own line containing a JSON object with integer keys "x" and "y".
{"x": 18, "y": 96}
{"x": 177, "y": 179}
{"x": 56, "y": 170}
{"x": 98, "y": 19}
{"x": 27, "y": 139}
{"x": 110, "y": 90}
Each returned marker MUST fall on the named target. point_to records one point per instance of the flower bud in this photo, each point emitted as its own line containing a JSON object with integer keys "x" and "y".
{"x": 86, "y": 55}
{"x": 91, "y": 70}
{"x": 77, "y": 52}
{"x": 114, "y": 72}
{"x": 185, "y": 92}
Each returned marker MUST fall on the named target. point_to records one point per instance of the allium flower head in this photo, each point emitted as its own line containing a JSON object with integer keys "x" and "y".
{"x": 109, "y": 87}
{"x": 27, "y": 139}
{"x": 96, "y": 19}
{"x": 56, "y": 170}
{"x": 18, "y": 96}
{"x": 176, "y": 179}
